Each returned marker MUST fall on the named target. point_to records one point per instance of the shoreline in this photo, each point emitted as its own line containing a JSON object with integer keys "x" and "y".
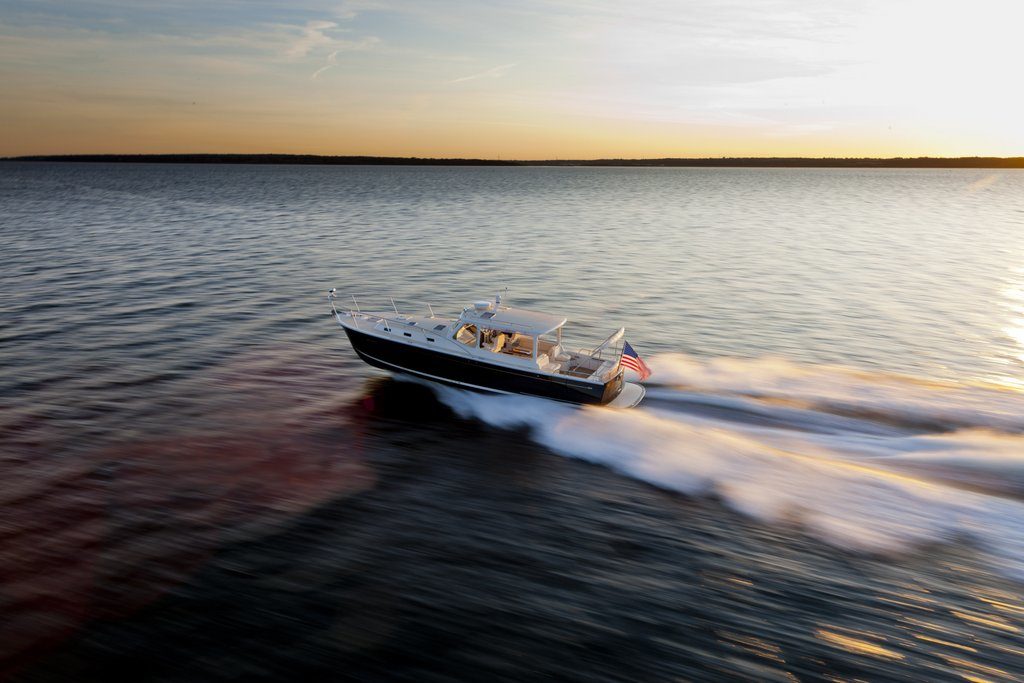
{"x": 667, "y": 162}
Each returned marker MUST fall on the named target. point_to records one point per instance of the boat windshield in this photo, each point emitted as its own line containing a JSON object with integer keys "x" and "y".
{"x": 466, "y": 334}
{"x": 550, "y": 344}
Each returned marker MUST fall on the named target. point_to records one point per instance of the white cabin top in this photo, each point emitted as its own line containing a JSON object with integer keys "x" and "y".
{"x": 507, "y": 319}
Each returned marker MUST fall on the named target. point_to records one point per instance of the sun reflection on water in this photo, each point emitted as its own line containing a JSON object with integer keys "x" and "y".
{"x": 1013, "y": 304}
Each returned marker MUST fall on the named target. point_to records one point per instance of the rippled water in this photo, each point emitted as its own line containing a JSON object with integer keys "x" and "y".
{"x": 201, "y": 481}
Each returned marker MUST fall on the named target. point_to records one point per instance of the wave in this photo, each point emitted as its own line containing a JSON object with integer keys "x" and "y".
{"x": 869, "y": 462}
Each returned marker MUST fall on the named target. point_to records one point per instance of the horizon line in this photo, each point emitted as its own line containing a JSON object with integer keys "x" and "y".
{"x": 355, "y": 159}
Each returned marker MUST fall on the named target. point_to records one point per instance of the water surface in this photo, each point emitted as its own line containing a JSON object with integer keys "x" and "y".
{"x": 202, "y": 482}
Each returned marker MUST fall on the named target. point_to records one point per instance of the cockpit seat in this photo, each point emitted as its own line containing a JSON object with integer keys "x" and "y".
{"x": 498, "y": 343}
{"x": 558, "y": 354}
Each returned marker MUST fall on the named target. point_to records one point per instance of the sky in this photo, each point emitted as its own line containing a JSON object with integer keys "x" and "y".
{"x": 530, "y": 79}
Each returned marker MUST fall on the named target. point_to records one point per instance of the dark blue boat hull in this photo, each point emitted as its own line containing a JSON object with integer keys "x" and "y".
{"x": 471, "y": 373}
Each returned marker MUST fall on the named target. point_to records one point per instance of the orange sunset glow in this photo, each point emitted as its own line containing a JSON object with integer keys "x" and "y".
{"x": 540, "y": 79}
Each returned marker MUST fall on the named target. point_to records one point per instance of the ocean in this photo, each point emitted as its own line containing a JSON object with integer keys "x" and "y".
{"x": 200, "y": 480}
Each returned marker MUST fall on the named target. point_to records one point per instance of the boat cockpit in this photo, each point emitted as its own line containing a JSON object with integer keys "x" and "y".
{"x": 520, "y": 337}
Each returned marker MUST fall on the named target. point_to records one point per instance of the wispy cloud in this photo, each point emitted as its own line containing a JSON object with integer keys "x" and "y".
{"x": 344, "y": 46}
{"x": 332, "y": 59}
{"x": 348, "y": 9}
{"x": 495, "y": 72}
{"x": 312, "y": 36}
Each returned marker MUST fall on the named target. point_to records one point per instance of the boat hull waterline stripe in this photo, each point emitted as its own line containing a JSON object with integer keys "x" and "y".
{"x": 633, "y": 399}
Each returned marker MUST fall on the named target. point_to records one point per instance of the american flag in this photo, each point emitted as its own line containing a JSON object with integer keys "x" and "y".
{"x": 630, "y": 359}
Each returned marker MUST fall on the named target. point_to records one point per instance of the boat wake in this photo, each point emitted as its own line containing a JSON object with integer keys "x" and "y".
{"x": 871, "y": 462}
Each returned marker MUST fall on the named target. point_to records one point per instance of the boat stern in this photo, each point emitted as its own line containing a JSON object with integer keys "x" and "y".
{"x": 629, "y": 397}
{"x": 612, "y": 388}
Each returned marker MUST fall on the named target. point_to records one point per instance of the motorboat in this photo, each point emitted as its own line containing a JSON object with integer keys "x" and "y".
{"x": 491, "y": 347}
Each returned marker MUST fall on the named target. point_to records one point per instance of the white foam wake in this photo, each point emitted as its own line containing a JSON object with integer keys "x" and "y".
{"x": 880, "y": 490}
{"x": 888, "y": 396}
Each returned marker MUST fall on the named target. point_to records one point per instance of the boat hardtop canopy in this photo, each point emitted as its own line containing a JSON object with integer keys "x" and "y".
{"x": 505, "y": 319}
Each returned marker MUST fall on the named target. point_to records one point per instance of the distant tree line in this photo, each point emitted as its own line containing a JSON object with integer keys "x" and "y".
{"x": 311, "y": 159}
{"x": 314, "y": 159}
